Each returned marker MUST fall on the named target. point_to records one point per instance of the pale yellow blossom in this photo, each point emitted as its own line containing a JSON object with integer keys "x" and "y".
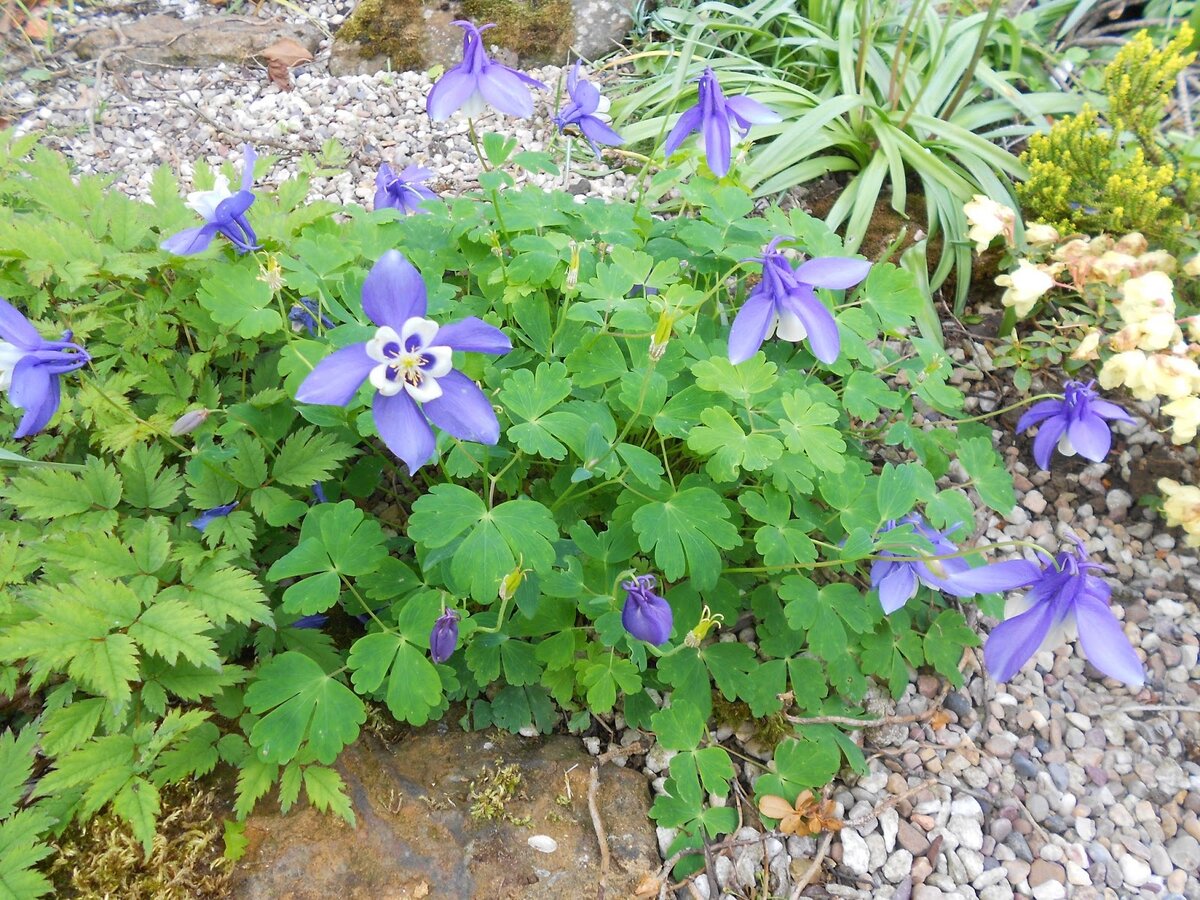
{"x": 1037, "y": 233}
{"x": 1171, "y": 376}
{"x": 1192, "y": 266}
{"x": 1111, "y": 266}
{"x": 1152, "y": 333}
{"x": 1126, "y": 369}
{"x": 1185, "y": 415}
{"x": 988, "y": 220}
{"x": 1156, "y": 261}
{"x": 1148, "y": 295}
{"x": 1025, "y": 287}
{"x": 1088, "y": 347}
{"x": 1182, "y": 507}
{"x": 1134, "y": 243}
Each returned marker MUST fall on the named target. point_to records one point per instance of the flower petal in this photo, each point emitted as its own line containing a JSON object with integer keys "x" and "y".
{"x": 750, "y": 326}
{"x": 393, "y": 292}
{"x": 595, "y": 130}
{"x": 1039, "y": 412}
{"x": 451, "y": 91}
{"x": 999, "y": 576}
{"x": 502, "y": 89}
{"x": 897, "y": 587}
{"x": 249, "y": 158}
{"x": 1014, "y": 641}
{"x": 586, "y": 96}
{"x": 473, "y": 335}
{"x": 823, "y": 336}
{"x": 1090, "y": 436}
{"x": 463, "y": 410}
{"x": 191, "y": 240}
{"x": 1106, "y": 410}
{"x": 337, "y": 377}
{"x": 34, "y": 389}
{"x": 1104, "y": 642}
{"x": 752, "y": 111}
{"x": 835, "y": 272}
{"x": 16, "y": 329}
{"x": 1047, "y": 439}
{"x": 717, "y": 149}
{"x": 690, "y": 121}
{"x": 403, "y": 428}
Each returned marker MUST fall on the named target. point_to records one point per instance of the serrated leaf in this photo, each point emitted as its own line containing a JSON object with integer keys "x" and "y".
{"x": 326, "y": 791}
{"x": 138, "y": 804}
{"x": 173, "y": 629}
{"x": 308, "y": 456}
{"x": 222, "y": 593}
{"x": 255, "y": 778}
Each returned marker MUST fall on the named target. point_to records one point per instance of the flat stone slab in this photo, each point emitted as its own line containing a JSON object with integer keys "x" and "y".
{"x": 422, "y": 831}
{"x": 169, "y": 42}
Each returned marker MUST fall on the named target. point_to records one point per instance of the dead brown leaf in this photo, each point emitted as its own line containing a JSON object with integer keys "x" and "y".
{"x": 648, "y": 887}
{"x": 807, "y": 816}
{"x": 939, "y": 720}
{"x": 281, "y": 57}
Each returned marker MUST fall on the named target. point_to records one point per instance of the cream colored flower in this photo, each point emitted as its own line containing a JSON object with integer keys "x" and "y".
{"x": 1148, "y": 295}
{"x": 1154, "y": 333}
{"x": 1025, "y": 287}
{"x": 1087, "y": 348}
{"x": 1036, "y": 233}
{"x": 1112, "y": 266}
{"x": 1192, "y": 266}
{"x": 1156, "y": 261}
{"x": 1171, "y": 376}
{"x": 988, "y": 219}
{"x": 1182, "y": 507}
{"x": 1134, "y": 243}
{"x": 1185, "y": 415}
{"x": 1126, "y": 369}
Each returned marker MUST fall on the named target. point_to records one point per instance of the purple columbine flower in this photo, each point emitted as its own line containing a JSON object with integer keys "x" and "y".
{"x": 784, "y": 303}
{"x": 1064, "y": 600}
{"x": 477, "y": 81}
{"x": 1078, "y": 423}
{"x": 646, "y": 615}
{"x": 897, "y": 581}
{"x": 313, "y": 621}
{"x": 30, "y": 366}
{"x": 403, "y": 191}
{"x": 304, "y": 316}
{"x": 581, "y": 112}
{"x": 719, "y": 119}
{"x": 207, "y": 517}
{"x": 223, "y": 212}
{"x": 408, "y": 362}
{"x": 443, "y": 639}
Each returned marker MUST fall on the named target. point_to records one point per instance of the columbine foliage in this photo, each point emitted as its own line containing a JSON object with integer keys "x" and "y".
{"x": 629, "y": 445}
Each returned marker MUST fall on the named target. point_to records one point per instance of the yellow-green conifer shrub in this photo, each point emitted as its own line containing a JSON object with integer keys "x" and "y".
{"x": 1092, "y": 175}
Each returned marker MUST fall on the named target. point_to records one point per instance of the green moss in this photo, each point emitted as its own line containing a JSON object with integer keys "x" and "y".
{"x": 769, "y": 730}
{"x": 536, "y": 30}
{"x": 391, "y": 28}
{"x": 492, "y": 790}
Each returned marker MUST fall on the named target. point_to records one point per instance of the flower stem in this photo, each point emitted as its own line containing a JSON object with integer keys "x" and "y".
{"x": 1000, "y": 412}
{"x": 471, "y": 133}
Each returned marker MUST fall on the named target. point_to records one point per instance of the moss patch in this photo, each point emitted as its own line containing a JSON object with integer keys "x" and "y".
{"x": 536, "y": 30}
{"x": 103, "y": 859}
{"x": 391, "y": 28}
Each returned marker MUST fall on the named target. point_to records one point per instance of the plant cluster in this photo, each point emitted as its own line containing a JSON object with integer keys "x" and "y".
{"x": 1115, "y": 174}
{"x": 1113, "y": 305}
{"x": 905, "y": 100}
{"x": 553, "y": 479}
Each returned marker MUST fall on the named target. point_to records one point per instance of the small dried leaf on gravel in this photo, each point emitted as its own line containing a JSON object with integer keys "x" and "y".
{"x": 281, "y": 57}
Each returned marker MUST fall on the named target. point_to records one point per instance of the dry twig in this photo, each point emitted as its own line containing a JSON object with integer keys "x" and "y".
{"x": 601, "y": 836}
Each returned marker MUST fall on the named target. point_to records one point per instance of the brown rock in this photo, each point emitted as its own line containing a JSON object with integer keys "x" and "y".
{"x": 169, "y": 42}
{"x": 912, "y": 838}
{"x": 1042, "y": 871}
{"x": 416, "y": 831}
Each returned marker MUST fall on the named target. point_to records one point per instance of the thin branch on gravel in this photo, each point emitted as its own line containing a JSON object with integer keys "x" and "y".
{"x": 598, "y": 825}
{"x": 613, "y": 752}
{"x": 814, "y": 868}
{"x": 887, "y": 804}
{"x": 872, "y": 723}
{"x": 664, "y": 873}
{"x": 1150, "y": 707}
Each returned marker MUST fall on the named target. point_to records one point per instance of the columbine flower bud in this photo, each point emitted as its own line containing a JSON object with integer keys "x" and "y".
{"x": 662, "y": 335}
{"x": 189, "y": 422}
{"x": 646, "y": 616}
{"x": 510, "y": 582}
{"x": 443, "y": 639}
{"x": 572, "y": 278}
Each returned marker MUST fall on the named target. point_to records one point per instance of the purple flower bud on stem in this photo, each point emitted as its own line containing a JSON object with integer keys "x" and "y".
{"x": 646, "y": 616}
{"x": 443, "y": 639}
{"x": 189, "y": 422}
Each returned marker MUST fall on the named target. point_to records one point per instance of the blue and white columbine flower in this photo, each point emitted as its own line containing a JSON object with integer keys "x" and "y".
{"x": 897, "y": 580}
{"x": 223, "y": 213}
{"x": 1078, "y": 423}
{"x": 646, "y": 615}
{"x": 30, "y": 366}
{"x": 720, "y": 120}
{"x": 409, "y": 362}
{"x": 1064, "y": 600}
{"x": 478, "y": 81}
{"x": 403, "y": 190}
{"x": 304, "y": 316}
{"x": 582, "y": 111}
{"x": 785, "y": 303}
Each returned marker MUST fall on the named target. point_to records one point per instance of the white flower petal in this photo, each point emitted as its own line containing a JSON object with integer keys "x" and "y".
{"x": 383, "y": 337}
{"x": 790, "y": 327}
{"x": 441, "y": 361}
{"x": 422, "y": 329}
{"x": 387, "y": 386}
{"x": 427, "y": 390}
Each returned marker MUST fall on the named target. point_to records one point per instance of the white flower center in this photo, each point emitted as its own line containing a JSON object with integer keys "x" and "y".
{"x": 1065, "y": 447}
{"x": 10, "y": 355}
{"x": 206, "y": 202}
{"x": 788, "y": 327}
{"x": 407, "y": 361}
